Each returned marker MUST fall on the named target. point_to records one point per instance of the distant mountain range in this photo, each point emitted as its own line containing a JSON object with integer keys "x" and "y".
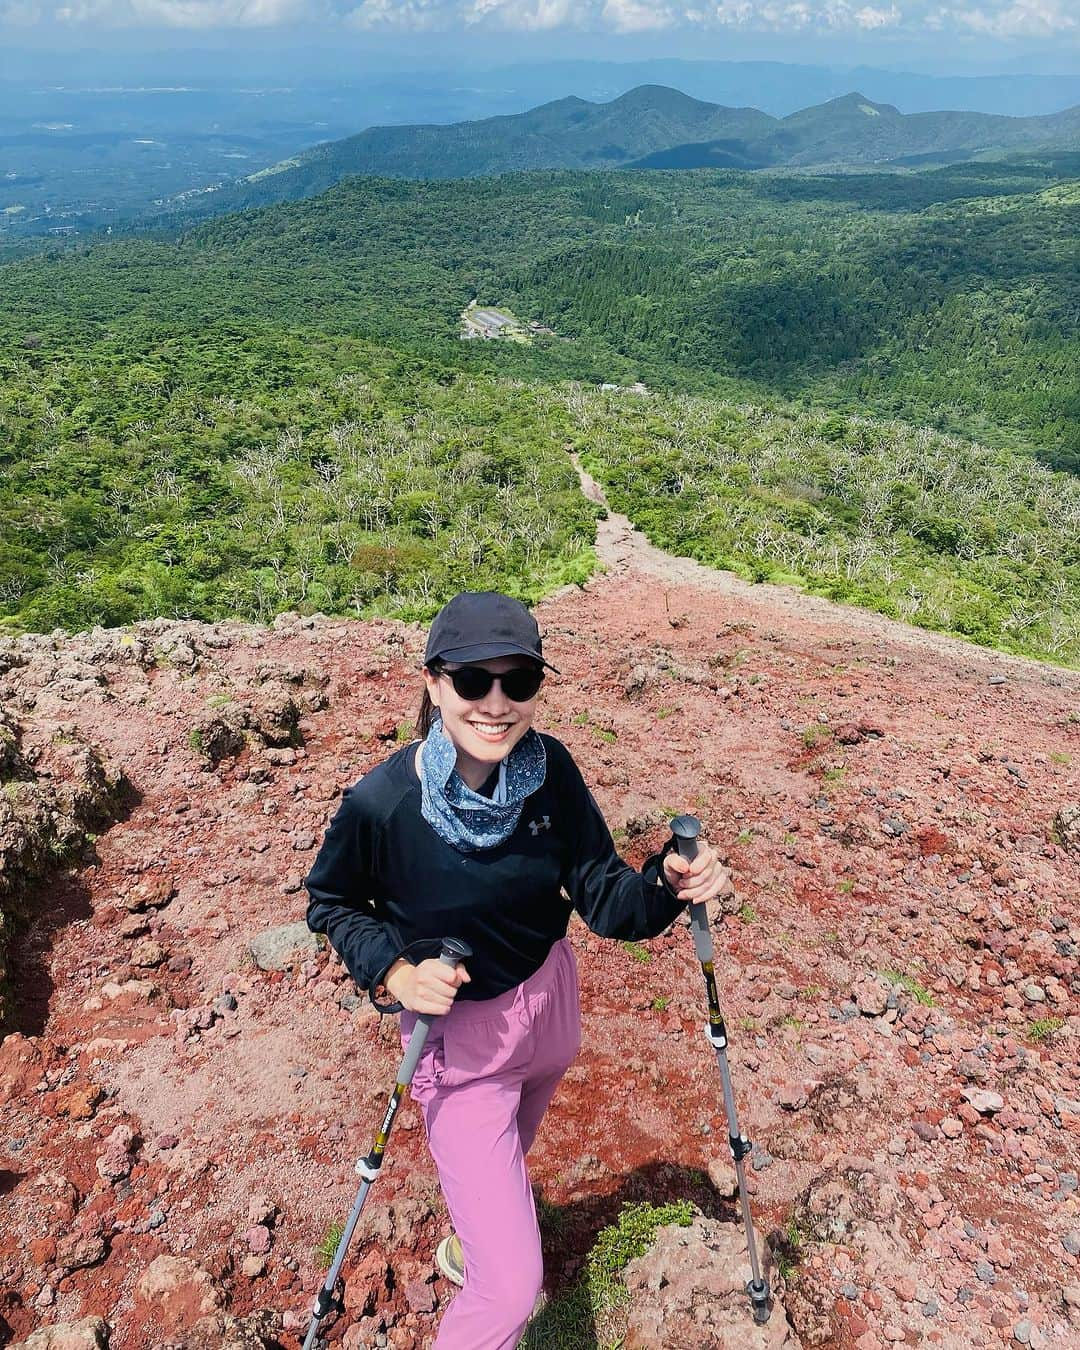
{"x": 776, "y": 87}
{"x": 652, "y": 127}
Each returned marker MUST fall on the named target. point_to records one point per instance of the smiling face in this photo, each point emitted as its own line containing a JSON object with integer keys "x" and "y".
{"x": 486, "y": 730}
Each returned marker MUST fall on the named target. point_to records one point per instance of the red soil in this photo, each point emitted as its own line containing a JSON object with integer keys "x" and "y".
{"x": 802, "y": 734}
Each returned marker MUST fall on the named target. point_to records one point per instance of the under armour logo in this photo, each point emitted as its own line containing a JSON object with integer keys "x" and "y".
{"x": 544, "y": 823}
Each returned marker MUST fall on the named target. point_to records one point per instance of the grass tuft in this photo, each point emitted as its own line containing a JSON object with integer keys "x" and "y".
{"x": 582, "y": 1318}
{"x": 790, "y": 1248}
{"x": 1043, "y": 1028}
{"x": 329, "y": 1245}
{"x": 912, "y": 986}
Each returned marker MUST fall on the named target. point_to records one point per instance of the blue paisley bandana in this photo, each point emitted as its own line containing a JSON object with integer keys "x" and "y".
{"x": 467, "y": 819}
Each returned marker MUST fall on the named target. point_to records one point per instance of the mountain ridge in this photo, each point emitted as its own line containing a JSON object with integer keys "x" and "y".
{"x": 650, "y": 126}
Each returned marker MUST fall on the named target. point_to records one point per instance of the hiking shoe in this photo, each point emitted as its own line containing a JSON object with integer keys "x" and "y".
{"x": 451, "y": 1262}
{"x": 450, "y": 1259}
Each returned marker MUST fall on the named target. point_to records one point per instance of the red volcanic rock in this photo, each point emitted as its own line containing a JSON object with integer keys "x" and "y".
{"x": 92, "y": 1333}
{"x": 421, "y": 1296}
{"x": 689, "y": 1289}
{"x": 79, "y": 1102}
{"x": 22, "y": 1061}
{"x": 257, "y": 1239}
{"x": 178, "y": 1292}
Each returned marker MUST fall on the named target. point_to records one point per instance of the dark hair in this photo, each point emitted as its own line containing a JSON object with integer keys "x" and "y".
{"x": 427, "y": 710}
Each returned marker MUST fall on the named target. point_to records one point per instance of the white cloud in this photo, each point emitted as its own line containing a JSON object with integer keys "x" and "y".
{"x": 795, "y": 15}
{"x": 217, "y": 13}
{"x": 1022, "y": 18}
{"x": 869, "y": 17}
{"x": 408, "y": 15}
{"x": 196, "y": 14}
{"x": 997, "y": 19}
{"x": 637, "y": 16}
{"x": 526, "y": 15}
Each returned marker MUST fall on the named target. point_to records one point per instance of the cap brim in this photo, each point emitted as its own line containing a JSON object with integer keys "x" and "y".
{"x": 489, "y": 651}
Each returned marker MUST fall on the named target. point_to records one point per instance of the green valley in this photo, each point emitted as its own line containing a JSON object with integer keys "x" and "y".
{"x": 855, "y": 378}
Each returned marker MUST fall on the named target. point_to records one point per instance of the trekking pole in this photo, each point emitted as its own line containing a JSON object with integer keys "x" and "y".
{"x": 685, "y": 830}
{"x": 454, "y": 951}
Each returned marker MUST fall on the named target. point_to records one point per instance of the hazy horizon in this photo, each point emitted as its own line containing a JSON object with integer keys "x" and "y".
{"x": 306, "y": 38}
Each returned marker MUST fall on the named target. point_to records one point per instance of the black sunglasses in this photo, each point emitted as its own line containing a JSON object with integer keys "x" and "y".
{"x": 474, "y": 682}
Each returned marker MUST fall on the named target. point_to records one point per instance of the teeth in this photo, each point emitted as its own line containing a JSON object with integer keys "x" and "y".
{"x": 491, "y": 728}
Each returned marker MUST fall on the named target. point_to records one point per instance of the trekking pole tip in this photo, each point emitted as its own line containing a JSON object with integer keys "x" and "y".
{"x": 760, "y": 1301}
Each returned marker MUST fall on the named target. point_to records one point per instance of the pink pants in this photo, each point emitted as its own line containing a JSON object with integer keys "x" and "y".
{"x": 483, "y": 1083}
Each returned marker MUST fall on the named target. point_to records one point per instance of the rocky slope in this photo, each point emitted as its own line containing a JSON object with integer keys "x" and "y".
{"x": 184, "y": 1085}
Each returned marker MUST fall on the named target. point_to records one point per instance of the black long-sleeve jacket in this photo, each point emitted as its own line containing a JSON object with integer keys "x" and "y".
{"x": 383, "y": 880}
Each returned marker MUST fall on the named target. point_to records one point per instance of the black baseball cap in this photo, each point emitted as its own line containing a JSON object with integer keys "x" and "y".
{"x": 480, "y": 625}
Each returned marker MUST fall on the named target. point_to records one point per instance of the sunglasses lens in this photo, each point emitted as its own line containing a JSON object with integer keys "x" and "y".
{"x": 471, "y": 682}
{"x": 521, "y": 685}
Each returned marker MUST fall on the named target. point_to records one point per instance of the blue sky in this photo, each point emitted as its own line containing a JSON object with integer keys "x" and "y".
{"x": 940, "y": 34}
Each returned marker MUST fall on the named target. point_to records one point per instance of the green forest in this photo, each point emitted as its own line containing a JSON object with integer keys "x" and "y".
{"x": 862, "y": 383}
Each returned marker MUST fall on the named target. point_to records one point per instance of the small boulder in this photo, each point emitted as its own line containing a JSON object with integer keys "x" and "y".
{"x": 114, "y": 1164}
{"x": 83, "y": 1247}
{"x": 179, "y": 1292}
{"x": 219, "y": 734}
{"x": 256, "y": 1331}
{"x": 257, "y": 1239}
{"x": 80, "y": 1101}
{"x": 150, "y": 893}
{"x": 146, "y": 953}
{"x": 972, "y": 1068}
{"x": 91, "y": 1333}
{"x": 22, "y": 1061}
{"x": 986, "y": 1103}
{"x": 872, "y": 998}
{"x": 261, "y": 1209}
{"x": 689, "y": 1289}
{"x": 279, "y": 947}
{"x": 1067, "y": 826}
{"x": 275, "y": 717}
{"x": 421, "y": 1296}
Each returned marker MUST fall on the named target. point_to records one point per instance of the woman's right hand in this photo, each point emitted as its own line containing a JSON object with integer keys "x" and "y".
{"x": 430, "y": 987}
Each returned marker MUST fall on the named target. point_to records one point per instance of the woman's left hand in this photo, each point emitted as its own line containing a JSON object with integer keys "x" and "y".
{"x": 706, "y": 878}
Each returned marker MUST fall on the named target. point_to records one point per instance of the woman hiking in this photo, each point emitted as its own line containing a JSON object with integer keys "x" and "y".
{"x": 484, "y": 830}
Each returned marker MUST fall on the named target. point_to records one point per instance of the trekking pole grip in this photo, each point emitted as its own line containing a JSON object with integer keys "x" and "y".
{"x": 454, "y": 951}
{"x": 685, "y": 831}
